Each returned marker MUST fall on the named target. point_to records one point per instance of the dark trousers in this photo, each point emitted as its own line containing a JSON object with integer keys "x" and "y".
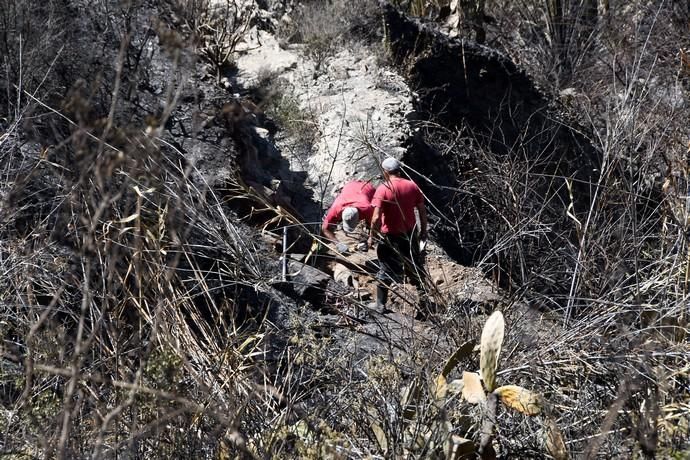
{"x": 399, "y": 256}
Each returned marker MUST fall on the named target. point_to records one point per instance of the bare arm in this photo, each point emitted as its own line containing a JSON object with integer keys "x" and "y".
{"x": 326, "y": 230}
{"x": 375, "y": 224}
{"x": 329, "y": 222}
{"x": 421, "y": 208}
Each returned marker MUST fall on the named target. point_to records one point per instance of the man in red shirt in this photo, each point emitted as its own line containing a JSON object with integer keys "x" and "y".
{"x": 352, "y": 204}
{"x": 399, "y": 251}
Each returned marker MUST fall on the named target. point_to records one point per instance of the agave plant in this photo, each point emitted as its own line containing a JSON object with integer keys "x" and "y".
{"x": 480, "y": 388}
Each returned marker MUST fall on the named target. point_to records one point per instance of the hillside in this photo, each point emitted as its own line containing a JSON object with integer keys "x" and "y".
{"x": 165, "y": 290}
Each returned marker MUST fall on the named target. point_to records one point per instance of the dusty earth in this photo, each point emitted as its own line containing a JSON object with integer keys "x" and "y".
{"x": 450, "y": 280}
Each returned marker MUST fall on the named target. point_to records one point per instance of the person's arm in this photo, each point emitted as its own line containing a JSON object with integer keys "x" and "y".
{"x": 330, "y": 221}
{"x": 421, "y": 208}
{"x": 328, "y": 233}
{"x": 375, "y": 224}
{"x": 376, "y": 203}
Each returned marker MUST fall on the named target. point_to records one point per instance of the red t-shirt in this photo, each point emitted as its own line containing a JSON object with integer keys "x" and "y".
{"x": 397, "y": 199}
{"x": 357, "y": 194}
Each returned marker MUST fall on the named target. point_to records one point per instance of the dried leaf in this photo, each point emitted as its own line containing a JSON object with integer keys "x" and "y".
{"x": 458, "y": 447}
{"x": 490, "y": 348}
{"x": 554, "y": 443}
{"x": 409, "y": 398}
{"x": 520, "y": 399}
{"x": 461, "y": 353}
{"x": 380, "y": 436}
{"x": 472, "y": 390}
{"x": 440, "y": 389}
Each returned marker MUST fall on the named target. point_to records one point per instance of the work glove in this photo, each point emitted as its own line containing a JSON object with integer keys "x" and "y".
{"x": 363, "y": 246}
{"x": 342, "y": 248}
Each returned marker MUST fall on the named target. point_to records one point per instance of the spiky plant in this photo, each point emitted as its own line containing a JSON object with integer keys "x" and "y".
{"x": 488, "y": 395}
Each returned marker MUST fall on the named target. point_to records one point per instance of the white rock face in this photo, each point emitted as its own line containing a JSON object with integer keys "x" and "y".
{"x": 358, "y": 109}
{"x": 261, "y": 53}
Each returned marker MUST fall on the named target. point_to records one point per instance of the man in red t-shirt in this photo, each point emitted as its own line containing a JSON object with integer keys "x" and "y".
{"x": 399, "y": 251}
{"x": 352, "y": 205}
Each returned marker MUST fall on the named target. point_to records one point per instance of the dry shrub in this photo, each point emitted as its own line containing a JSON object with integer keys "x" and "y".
{"x": 609, "y": 255}
{"x": 127, "y": 291}
{"x": 217, "y": 27}
{"x": 122, "y": 324}
{"x": 324, "y": 26}
{"x": 37, "y": 41}
{"x": 138, "y": 316}
{"x": 278, "y": 100}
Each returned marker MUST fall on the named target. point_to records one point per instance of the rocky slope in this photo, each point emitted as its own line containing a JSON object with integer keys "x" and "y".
{"x": 163, "y": 294}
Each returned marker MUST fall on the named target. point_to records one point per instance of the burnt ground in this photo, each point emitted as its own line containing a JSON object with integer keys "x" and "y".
{"x": 151, "y": 222}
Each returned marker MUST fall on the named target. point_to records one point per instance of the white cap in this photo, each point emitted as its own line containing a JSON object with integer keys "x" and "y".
{"x": 350, "y": 219}
{"x": 390, "y": 164}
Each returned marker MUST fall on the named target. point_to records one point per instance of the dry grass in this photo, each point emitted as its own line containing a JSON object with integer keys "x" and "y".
{"x": 139, "y": 314}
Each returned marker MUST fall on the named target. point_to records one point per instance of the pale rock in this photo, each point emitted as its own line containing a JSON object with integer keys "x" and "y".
{"x": 263, "y": 133}
{"x": 340, "y": 100}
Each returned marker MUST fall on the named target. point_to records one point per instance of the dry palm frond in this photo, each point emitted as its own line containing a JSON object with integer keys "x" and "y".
{"x": 492, "y": 338}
